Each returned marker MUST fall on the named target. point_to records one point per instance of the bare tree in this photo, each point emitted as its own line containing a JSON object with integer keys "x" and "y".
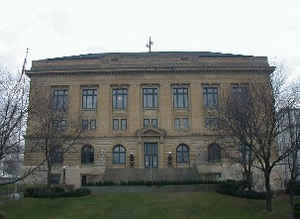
{"x": 290, "y": 138}
{"x": 252, "y": 116}
{"x": 51, "y": 132}
{"x": 13, "y": 115}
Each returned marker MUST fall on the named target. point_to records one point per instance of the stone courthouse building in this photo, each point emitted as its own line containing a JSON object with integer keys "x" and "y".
{"x": 144, "y": 113}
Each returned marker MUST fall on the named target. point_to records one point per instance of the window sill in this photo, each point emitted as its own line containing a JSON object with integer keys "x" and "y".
{"x": 57, "y": 165}
{"x": 93, "y": 110}
{"x": 214, "y": 161}
{"x": 151, "y": 108}
{"x": 211, "y": 107}
{"x": 119, "y": 164}
{"x": 88, "y": 165}
{"x": 88, "y": 130}
{"x": 181, "y": 108}
{"x": 182, "y": 129}
{"x": 119, "y": 110}
{"x": 119, "y": 131}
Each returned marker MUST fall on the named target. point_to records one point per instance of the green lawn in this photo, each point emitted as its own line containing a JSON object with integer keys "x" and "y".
{"x": 164, "y": 205}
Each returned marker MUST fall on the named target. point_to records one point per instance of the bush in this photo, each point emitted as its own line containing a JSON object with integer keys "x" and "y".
{"x": 77, "y": 193}
{"x": 153, "y": 183}
{"x": 237, "y": 188}
{"x": 295, "y": 186}
{"x": 54, "y": 192}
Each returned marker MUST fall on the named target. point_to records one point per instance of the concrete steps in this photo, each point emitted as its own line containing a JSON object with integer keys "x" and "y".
{"x": 151, "y": 174}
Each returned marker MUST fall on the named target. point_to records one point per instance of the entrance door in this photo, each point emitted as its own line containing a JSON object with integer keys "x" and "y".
{"x": 151, "y": 156}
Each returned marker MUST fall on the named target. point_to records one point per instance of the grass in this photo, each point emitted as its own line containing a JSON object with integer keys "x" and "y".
{"x": 164, "y": 205}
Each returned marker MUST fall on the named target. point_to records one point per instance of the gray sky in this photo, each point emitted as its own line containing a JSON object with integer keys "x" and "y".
{"x": 61, "y": 28}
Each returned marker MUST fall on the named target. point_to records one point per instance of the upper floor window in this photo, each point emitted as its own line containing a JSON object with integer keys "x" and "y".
{"x": 119, "y": 124}
{"x": 214, "y": 153}
{"x": 88, "y": 124}
{"x": 60, "y": 99}
{"x": 150, "y": 97}
{"x": 59, "y": 124}
{"x": 56, "y": 155}
{"x": 240, "y": 89}
{"x": 119, "y": 100}
{"x": 150, "y": 123}
{"x": 246, "y": 153}
{"x": 211, "y": 123}
{"x": 180, "y": 97}
{"x": 87, "y": 154}
{"x": 89, "y": 98}
{"x": 181, "y": 123}
{"x": 210, "y": 95}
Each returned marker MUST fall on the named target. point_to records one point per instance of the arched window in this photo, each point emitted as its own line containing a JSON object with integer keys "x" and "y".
{"x": 214, "y": 152}
{"x": 182, "y": 154}
{"x": 119, "y": 154}
{"x": 87, "y": 154}
{"x": 56, "y": 155}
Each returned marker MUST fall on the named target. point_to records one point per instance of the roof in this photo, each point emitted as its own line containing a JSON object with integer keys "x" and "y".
{"x": 150, "y": 62}
{"x": 147, "y": 54}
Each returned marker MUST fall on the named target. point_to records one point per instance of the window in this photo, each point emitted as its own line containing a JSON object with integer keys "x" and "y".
{"x": 123, "y": 124}
{"x": 56, "y": 155}
{"x": 182, "y": 154}
{"x": 185, "y": 122}
{"x": 89, "y": 98}
{"x": 211, "y": 123}
{"x": 181, "y": 123}
{"x": 246, "y": 154}
{"x": 119, "y": 124}
{"x": 239, "y": 89}
{"x": 150, "y": 123}
{"x": 119, "y": 100}
{"x": 180, "y": 97}
{"x": 88, "y": 124}
{"x": 60, "y": 99}
{"x": 154, "y": 123}
{"x": 87, "y": 154}
{"x": 59, "y": 124}
{"x": 119, "y": 154}
{"x": 150, "y": 97}
{"x": 214, "y": 153}
{"x": 55, "y": 178}
{"x": 115, "y": 124}
{"x": 210, "y": 95}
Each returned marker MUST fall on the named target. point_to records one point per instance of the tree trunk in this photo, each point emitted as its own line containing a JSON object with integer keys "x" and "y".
{"x": 268, "y": 192}
{"x": 49, "y": 170}
{"x": 291, "y": 193}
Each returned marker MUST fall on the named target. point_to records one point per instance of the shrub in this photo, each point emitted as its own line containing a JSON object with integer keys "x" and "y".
{"x": 237, "y": 188}
{"x": 77, "y": 193}
{"x": 295, "y": 186}
{"x": 54, "y": 192}
{"x": 153, "y": 183}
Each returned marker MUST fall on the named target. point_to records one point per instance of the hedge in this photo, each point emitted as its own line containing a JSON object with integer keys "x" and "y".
{"x": 237, "y": 189}
{"x": 54, "y": 192}
{"x": 152, "y": 183}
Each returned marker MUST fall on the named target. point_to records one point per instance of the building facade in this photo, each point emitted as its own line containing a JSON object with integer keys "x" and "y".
{"x": 143, "y": 110}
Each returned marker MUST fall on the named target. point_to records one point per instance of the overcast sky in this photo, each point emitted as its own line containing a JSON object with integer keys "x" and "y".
{"x": 61, "y": 28}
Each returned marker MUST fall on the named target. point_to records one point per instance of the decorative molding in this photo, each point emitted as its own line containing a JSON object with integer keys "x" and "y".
{"x": 151, "y": 132}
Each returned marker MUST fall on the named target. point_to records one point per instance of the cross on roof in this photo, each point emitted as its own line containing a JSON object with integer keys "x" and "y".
{"x": 149, "y": 45}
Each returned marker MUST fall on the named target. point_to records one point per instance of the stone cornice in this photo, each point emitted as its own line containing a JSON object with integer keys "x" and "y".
{"x": 117, "y": 71}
